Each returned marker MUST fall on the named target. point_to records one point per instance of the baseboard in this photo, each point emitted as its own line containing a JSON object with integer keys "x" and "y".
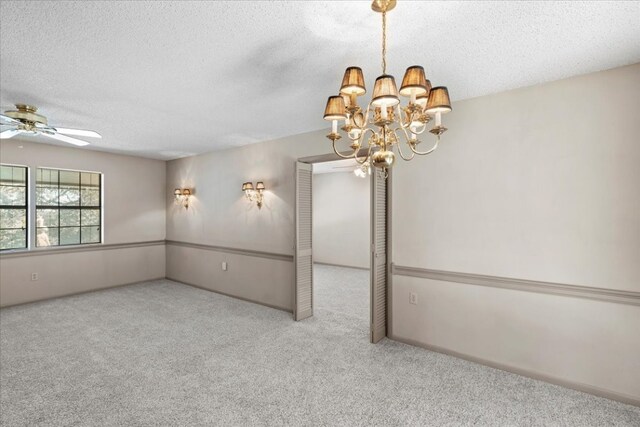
{"x": 83, "y": 292}
{"x": 341, "y": 265}
{"x": 585, "y": 388}
{"x": 288, "y": 310}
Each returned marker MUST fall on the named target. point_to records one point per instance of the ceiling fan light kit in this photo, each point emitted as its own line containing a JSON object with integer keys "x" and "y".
{"x": 25, "y": 120}
{"x": 390, "y": 121}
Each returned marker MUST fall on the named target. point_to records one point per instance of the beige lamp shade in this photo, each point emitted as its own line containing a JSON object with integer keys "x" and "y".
{"x": 186, "y": 192}
{"x": 421, "y": 100}
{"x": 438, "y": 101}
{"x": 414, "y": 80}
{"x": 247, "y": 186}
{"x": 353, "y": 82}
{"x": 335, "y": 109}
{"x": 177, "y": 192}
{"x": 385, "y": 91}
{"x": 259, "y": 185}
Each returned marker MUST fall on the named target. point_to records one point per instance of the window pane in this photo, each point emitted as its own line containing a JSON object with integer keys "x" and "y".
{"x": 69, "y": 196}
{"x": 90, "y": 234}
{"x": 14, "y": 196}
{"x": 13, "y": 218}
{"x": 90, "y": 197}
{"x": 85, "y": 179}
{"x": 13, "y": 175}
{"x": 69, "y": 217}
{"x": 13, "y": 239}
{"x": 69, "y": 235}
{"x": 6, "y": 174}
{"x": 90, "y": 217}
{"x": 69, "y": 179}
{"x": 46, "y": 237}
{"x": 47, "y": 177}
{"x": 47, "y": 196}
{"x": 47, "y": 218}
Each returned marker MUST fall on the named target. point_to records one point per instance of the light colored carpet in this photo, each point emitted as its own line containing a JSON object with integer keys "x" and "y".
{"x": 163, "y": 353}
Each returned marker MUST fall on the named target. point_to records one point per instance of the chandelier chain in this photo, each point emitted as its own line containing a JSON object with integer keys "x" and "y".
{"x": 384, "y": 42}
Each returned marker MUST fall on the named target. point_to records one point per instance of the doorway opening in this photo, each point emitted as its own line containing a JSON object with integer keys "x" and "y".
{"x": 341, "y": 255}
{"x": 341, "y": 218}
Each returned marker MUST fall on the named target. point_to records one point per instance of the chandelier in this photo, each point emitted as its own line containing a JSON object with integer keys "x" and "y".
{"x": 361, "y": 171}
{"x": 385, "y": 122}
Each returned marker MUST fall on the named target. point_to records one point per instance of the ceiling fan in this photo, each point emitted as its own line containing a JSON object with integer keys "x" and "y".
{"x": 25, "y": 120}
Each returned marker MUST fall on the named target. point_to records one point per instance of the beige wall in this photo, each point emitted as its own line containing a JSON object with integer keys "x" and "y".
{"x": 134, "y": 211}
{"x": 537, "y": 183}
{"x": 250, "y": 277}
{"x": 221, "y": 216}
{"x": 540, "y": 183}
{"x": 341, "y": 218}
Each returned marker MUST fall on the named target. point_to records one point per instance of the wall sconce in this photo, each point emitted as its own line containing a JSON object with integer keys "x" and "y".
{"x": 182, "y": 196}
{"x": 254, "y": 195}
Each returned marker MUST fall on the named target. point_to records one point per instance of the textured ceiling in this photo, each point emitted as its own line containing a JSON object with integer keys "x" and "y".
{"x": 170, "y": 79}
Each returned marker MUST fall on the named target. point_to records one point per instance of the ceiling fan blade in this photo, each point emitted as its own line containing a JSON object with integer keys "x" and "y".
{"x": 9, "y": 133}
{"x": 79, "y": 132}
{"x": 8, "y": 119}
{"x": 64, "y": 138}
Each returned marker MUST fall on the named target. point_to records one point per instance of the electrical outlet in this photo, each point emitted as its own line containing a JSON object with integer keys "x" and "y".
{"x": 34, "y": 277}
{"x": 413, "y": 298}
{"x": 224, "y": 266}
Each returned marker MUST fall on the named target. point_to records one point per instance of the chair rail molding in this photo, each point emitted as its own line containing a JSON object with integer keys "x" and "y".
{"x": 576, "y": 291}
{"x": 246, "y": 252}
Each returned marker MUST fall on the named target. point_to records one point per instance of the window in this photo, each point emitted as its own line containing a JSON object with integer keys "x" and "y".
{"x": 13, "y": 207}
{"x": 68, "y": 207}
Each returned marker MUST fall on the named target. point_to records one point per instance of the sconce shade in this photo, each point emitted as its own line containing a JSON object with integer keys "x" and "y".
{"x": 353, "y": 82}
{"x": 385, "y": 91}
{"x": 335, "y": 109}
{"x": 414, "y": 80}
{"x": 186, "y": 192}
{"x": 438, "y": 100}
{"x": 247, "y": 186}
{"x": 177, "y": 192}
{"x": 259, "y": 185}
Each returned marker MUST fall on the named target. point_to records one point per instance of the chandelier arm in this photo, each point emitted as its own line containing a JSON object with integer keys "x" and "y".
{"x": 419, "y": 132}
{"x": 362, "y": 128}
{"x": 406, "y": 134}
{"x": 424, "y": 153}
{"x": 335, "y": 150}
{"x": 366, "y": 118}
{"x": 401, "y": 120}
{"x": 373, "y": 134}
{"x": 402, "y": 154}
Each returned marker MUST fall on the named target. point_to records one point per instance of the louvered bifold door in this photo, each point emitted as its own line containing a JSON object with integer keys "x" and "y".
{"x": 378, "y": 256}
{"x": 304, "y": 261}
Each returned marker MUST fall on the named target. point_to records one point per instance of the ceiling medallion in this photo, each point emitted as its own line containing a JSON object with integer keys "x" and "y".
{"x": 390, "y": 121}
